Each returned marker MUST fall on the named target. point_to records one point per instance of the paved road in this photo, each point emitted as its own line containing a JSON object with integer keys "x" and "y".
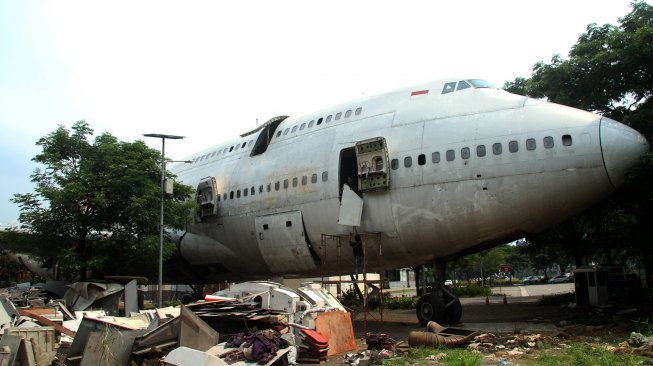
{"x": 521, "y": 293}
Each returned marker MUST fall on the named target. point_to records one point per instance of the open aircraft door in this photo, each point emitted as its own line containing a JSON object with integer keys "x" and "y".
{"x": 283, "y": 243}
{"x": 373, "y": 165}
{"x": 207, "y": 199}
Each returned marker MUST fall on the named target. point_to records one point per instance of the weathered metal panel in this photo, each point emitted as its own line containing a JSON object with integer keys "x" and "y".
{"x": 282, "y": 242}
{"x": 351, "y": 208}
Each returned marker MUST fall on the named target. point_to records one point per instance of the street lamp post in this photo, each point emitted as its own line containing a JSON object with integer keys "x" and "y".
{"x": 163, "y": 195}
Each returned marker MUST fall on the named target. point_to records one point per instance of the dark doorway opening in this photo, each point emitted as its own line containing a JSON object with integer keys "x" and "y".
{"x": 348, "y": 170}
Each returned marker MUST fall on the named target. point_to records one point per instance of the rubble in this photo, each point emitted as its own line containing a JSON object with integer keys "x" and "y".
{"x": 277, "y": 323}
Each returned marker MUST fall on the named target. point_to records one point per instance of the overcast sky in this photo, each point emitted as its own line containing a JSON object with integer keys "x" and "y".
{"x": 208, "y": 70}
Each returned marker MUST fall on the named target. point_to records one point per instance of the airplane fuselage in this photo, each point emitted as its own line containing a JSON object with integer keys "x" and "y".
{"x": 459, "y": 165}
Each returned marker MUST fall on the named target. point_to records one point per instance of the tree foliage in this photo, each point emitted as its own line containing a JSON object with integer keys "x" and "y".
{"x": 608, "y": 71}
{"x": 96, "y": 203}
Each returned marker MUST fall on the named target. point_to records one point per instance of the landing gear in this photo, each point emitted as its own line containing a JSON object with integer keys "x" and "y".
{"x": 437, "y": 303}
{"x": 440, "y": 306}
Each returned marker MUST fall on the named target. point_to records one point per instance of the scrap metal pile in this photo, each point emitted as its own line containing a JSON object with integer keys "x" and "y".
{"x": 263, "y": 323}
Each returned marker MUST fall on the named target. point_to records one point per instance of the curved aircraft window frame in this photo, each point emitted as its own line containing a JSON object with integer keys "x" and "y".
{"x": 358, "y": 111}
{"x": 325, "y": 176}
{"x": 310, "y": 124}
{"x": 348, "y": 113}
{"x": 421, "y": 159}
{"x": 394, "y": 164}
{"x": 408, "y": 161}
{"x": 338, "y": 115}
{"x": 465, "y": 153}
{"x": 567, "y": 140}
{"x": 303, "y": 126}
{"x": 319, "y": 121}
{"x": 531, "y": 144}
{"x": 294, "y": 129}
{"x": 481, "y": 151}
{"x": 513, "y": 146}
{"x": 450, "y": 155}
{"x": 435, "y": 157}
{"x": 497, "y": 148}
{"x": 314, "y": 178}
{"x": 328, "y": 119}
{"x": 548, "y": 143}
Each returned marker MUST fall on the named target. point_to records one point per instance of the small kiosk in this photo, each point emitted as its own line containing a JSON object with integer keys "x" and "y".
{"x": 595, "y": 284}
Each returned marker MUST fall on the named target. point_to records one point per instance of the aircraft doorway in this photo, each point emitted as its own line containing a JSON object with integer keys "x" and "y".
{"x": 348, "y": 170}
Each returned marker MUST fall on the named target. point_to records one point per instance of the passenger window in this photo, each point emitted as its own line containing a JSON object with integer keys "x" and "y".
{"x": 227, "y": 149}
{"x": 237, "y": 147}
{"x": 394, "y": 164}
{"x": 304, "y": 180}
{"x": 480, "y": 150}
{"x": 348, "y": 114}
{"x": 224, "y": 196}
{"x": 421, "y": 159}
{"x": 294, "y": 128}
{"x": 278, "y": 133}
{"x": 295, "y": 182}
{"x": 338, "y": 115}
{"x": 231, "y": 149}
{"x": 408, "y": 162}
{"x": 449, "y": 87}
{"x": 328, "y": 119}
{"x": 245, "y": 192}
{"x": 269, "y": 187}
{"x": 435, "y": 157}
{"x": 464, "y": 153}
{"x": 260, "y": 189}
{"x": 319, "y": 121}
{"x": 325, "y": 176}
{"x": 314, "y": 178}
{"x": 238, "y": 193}
{"x": 277, "y": 185}
{"x": 285, "y": 132}
{"x": 451, "y": 155}
{"x": 243, "y": 145}
{"x": 285, "y": 184}
{"x": 566, "y": 140}
{"x": 252, "y": 191}
{"x": 358, "y": 111}
{"x": 530, "y": 144}
{"x": 302, "y": 126}
{"x": 513, "y": 146}
{"x": 231, "y": 195}
{"x": 463, "y": 85}
{"x": 213, "y": 154}
{"x": 310, "y": 124}
{"x": 548, "y": 142}
{"x": 497, "y": 149}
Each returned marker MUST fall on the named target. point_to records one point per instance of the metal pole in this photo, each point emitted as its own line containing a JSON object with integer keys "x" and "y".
{"x": 163, "y": 196}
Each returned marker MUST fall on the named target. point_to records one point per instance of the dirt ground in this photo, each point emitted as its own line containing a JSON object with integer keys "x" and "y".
{"x": 518, "y": 317}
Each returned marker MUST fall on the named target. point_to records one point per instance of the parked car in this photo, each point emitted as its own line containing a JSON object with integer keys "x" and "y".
{"x": 529, "y": 280}
{"x": 448, "y": 283}
{"x": 559, "y": 279}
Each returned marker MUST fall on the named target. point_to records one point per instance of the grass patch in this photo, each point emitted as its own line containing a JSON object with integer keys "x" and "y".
{"x": 581, "y": 354}
{"x": 437, "y": 356}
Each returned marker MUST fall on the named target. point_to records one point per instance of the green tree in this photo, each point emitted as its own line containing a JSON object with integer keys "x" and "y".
{"x": 96, "y": 204}
{"x": 609, "y": 71}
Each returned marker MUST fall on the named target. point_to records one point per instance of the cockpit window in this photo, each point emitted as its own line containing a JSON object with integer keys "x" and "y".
{"x": 449, "y": 87}
{"x": 463, "y": 85}
{"x": 478, "y": 83}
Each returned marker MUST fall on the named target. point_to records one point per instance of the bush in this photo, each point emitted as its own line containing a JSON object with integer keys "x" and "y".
{"x": 401, "y": 303}
{"x": 471, "y": 291}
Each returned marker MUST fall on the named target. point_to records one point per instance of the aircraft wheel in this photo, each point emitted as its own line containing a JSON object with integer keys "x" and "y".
{"x": 454, "y": 312}
{"x": 430, "y": 308}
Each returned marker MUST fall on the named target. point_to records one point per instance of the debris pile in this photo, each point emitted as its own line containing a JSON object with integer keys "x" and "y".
{"x": 368, "y": 357}
{"x": 506, "y": 345}
{"x": 217, "y": 331}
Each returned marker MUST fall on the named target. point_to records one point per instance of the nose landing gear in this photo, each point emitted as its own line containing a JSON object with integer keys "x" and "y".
{"x": 437, "y": 303}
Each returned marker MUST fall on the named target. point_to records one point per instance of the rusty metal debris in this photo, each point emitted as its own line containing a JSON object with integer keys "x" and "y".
{"x": 88, "y": 330}
{"x": 440, "y": 336}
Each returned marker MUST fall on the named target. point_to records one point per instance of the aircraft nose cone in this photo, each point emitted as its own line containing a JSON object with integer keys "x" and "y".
{"x": 621, "y": 147}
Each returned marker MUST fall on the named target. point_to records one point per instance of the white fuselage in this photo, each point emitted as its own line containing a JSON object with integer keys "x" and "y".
{"x": 466, "y": 168}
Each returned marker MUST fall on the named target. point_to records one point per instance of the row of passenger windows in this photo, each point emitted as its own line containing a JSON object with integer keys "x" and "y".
{"x": 293, "y": 129}
{"x": 310, "y": 124}
{"x": 481, "y": 151}
{"x": 295, "y": 181}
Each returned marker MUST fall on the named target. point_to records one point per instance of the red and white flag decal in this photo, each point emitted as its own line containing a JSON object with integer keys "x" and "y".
{"x": 419, "y": 92}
